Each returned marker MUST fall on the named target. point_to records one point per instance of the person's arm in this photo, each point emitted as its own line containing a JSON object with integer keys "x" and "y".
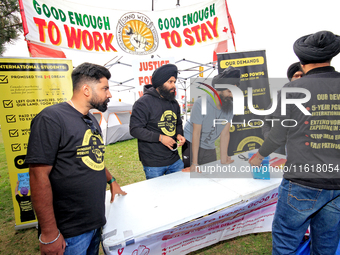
{"x": 195, "y": 144}
{"x": 138, "y": 123}
{"x": 224, "y": 144}
{"x": 42, "y": 200}
{"x": 277, "y": 137}
{"x": 114, "y": 186}
{"x": 179, "y": 128}
{"x": 179, "y": 125}
{"x": 266, "y": 126}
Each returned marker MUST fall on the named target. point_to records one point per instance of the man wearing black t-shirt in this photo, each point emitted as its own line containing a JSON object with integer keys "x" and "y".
{"x": 66, "y": 165}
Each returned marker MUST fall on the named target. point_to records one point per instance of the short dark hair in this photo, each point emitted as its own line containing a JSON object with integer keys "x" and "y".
{"x": 88, "y": 72}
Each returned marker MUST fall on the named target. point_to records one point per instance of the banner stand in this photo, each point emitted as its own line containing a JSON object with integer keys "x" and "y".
{"x": 26, "y": 87}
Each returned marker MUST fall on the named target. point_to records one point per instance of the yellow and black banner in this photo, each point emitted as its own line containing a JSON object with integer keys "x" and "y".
{"x": 26, "y": 87}
{"x": 245, "y": 131}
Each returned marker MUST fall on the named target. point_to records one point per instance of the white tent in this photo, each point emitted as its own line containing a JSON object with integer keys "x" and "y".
{"x": 114, "y": 122}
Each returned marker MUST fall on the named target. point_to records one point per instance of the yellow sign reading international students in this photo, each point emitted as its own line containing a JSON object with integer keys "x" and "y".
{"x": 26, "y": 87}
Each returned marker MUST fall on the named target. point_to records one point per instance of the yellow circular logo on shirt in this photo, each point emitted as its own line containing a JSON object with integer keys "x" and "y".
{"x": 90, "y": 152}
{"x": 168, "y": 123}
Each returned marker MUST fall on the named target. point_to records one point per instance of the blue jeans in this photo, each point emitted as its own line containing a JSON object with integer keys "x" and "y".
{"x": 298, "y": 207}
{"x": 152, "y": 172}
{"x": 84, "y": 244}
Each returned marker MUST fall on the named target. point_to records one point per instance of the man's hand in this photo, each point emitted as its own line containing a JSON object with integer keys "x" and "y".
{"x": 192, "y": 168}
{"x": 115, "y": 189}
{"x": 256, "y": 159}
{"x": 181, "y": 140}
{"x": 58, "y": 247}
{"x": 167, "y": 141}
{"x": 227, "y": 160}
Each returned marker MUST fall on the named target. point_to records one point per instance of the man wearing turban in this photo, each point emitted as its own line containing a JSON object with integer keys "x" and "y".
{"x": 156, "y": 123}
{"x": 201, "y": 133}
{"x": 309, "y": 194}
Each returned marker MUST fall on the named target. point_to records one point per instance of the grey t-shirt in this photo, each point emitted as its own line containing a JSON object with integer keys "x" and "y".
{"x": 209, "y": 133}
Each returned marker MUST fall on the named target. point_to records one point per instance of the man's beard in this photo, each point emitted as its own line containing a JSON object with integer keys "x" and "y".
{"x": 165, "y": 93}
{"x": 101, "y": 106}
{"x": 227, "y": 104}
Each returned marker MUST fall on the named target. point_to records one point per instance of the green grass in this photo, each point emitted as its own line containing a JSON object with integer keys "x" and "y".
{"x": 122, "y": 160}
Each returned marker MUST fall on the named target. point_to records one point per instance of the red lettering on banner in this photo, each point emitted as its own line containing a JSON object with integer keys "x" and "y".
{"x": 140, "y": 93}
{"x": 98, "y": 40}
{"x": 108, "y": 39}
{"x": 51, "y": 28}
{"x": 190, "y": 40}
{"x": 87, "y": 40}
{"x": 140, "y": 79}
{"x": 205, "y": 32}
{"x": 41, "y": 25}
{"x": 79, "y": 38}
{"x": 195, "y": 30}
{"x": 144, "y": 80}
{"x": 176, "y": 39}
{"x": 198, "y": 33}
{"x": 166, "y": 36}
{"x": 213, "y": 26}
{"x": 73, "y": 38}
{"x": 151, "y": 65}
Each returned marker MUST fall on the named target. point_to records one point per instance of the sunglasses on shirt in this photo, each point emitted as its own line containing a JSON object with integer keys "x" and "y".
{"x": 90, "y": 124}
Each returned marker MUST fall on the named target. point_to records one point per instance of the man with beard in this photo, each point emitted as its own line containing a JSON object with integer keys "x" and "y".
{"x": 156, "y": 123}
{"x": 199, "y": 131}
{"x": 66, "y": 165}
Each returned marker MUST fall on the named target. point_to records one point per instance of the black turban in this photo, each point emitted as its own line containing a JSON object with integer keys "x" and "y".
{"x": 163, "y": 74}
{"x": 292, "y": 69}
{"x": 317, "y": 48}
{"x": 231, "y": 75}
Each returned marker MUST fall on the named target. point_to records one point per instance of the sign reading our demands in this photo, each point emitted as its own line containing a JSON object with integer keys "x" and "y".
{"x": 100, "y": 29}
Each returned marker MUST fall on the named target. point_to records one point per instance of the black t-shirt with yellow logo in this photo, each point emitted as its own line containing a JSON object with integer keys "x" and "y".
{"x": 26, "y": 208}
{"x": 151, "y": 116}
{"x": 61, "y": 138}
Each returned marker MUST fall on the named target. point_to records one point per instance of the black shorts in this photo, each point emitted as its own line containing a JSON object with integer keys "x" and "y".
{"x": 204, "y": 155}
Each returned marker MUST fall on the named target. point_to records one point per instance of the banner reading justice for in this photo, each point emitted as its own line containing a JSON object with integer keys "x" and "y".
{"x": 26, "y": 87}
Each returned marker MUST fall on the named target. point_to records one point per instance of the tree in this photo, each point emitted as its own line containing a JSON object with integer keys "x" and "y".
{"x": 10, "y": 23}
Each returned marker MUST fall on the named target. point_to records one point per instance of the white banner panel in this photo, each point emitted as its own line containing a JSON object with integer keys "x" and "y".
{"x": 100, "y": 29}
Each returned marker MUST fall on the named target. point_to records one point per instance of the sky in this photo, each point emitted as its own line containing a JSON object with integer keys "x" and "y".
{"x": 260, "y": 25}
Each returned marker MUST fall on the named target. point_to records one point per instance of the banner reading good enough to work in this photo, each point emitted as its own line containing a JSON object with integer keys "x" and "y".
{"x": 26, "y": 87}
{"x": 100, "y": 29}
{"x": 252, "y": 216}
{"x": 245, "y": 132}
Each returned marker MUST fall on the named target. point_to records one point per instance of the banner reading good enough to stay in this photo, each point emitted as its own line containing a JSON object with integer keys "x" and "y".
{"x": 100, "y": 29}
